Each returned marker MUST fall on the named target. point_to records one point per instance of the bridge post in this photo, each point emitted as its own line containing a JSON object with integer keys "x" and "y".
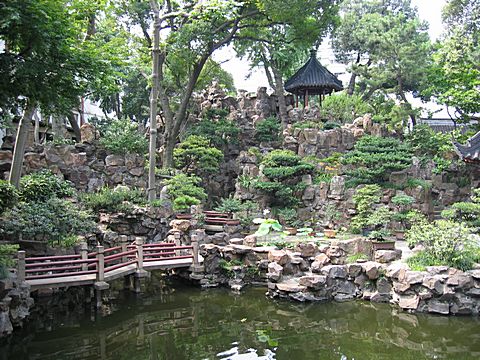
{"x": 21, "y": 266}
{"x": 196, "y": 268}
{"x": 140, "y": 273}
{"x": 123, "y": 244}
{"x": 100, "y": 283}
{"x": 84, "y": 255}
{"x": 177, "y": 243}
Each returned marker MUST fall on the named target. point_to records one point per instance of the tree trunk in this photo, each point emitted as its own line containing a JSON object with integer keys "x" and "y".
{"x": 282, "y": 104}
{"x": 74, "y": 124}
{"x": 152, "y": 152}
{"x": 351, "y": 84}
{"x": 36, "y": 131}
{"x": 20, "y": 144}
{"x": 57, "y": 127}
{"x": 404, "y": 98}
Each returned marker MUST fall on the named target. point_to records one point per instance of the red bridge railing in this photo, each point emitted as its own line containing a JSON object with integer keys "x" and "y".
{"x": 102, "y": 261}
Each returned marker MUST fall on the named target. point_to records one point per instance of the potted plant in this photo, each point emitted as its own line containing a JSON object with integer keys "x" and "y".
{"x": 288, "y": 218}
{"x": 378, "y": 222}
{"x": 380, "y": 241}
{"x": 403, "y": 205}
{"x": 331, "y": 217}
{"x": 365, "y": 200}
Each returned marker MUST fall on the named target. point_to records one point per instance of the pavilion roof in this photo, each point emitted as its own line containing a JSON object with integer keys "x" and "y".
{"x": 314, "y": 77}
{"x": 471, "y": 151}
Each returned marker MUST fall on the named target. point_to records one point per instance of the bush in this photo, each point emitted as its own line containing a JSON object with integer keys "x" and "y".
{"x": 268, "y": 130}
{"x": 54, "y": 220}
{"x": 8, "y": 195}
{"x": 284, "y": 170}
{"x": 445, "y": 242}
{"x": 374, "y": 158}
{"x": 122, "y": 137}
{"x": 185, "y": 191}
{"x": 343, "y": 108}
{"x": 119, "y": 199}
{"x": 43, "y": 185}
{"x": 364, "y": 199}
{"x": 196, "y": 154}
{"x": 229, "y": 205}
{"x": 466, "y": 212}
{"x": 330, "y": 125}
{"x": 220, "y": 132}
{"x": 7, "y": 260}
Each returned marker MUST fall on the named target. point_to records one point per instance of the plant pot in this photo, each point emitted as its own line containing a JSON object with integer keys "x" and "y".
{"x": 400, "y": 235}
{"x": 183, "y": 216}
{"x": 291, "y": 231}
{"x": 329, "y": 233}
{"x": 383, "y": 245}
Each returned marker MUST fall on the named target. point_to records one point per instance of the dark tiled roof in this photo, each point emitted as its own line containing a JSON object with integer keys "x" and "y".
{"x": 471, "y": 151}
{"x": 313, "y": 76}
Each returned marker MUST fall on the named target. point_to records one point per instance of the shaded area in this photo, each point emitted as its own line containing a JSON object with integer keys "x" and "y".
{"x": 189, "y": 323}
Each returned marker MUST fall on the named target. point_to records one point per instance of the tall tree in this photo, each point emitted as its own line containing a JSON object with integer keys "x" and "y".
{"x": 279, "y": 47}
{"x": 386, "y": 45}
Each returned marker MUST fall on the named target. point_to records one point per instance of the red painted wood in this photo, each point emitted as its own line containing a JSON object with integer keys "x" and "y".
{"x": 37, "y": 258}
{"x": 66, "y": 262}
{"x": 118, "y": 266}
{"x": 74, "y": 273}
{"x": 62, "y": 268}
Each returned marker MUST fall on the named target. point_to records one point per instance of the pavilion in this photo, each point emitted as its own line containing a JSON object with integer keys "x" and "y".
{"x": 469, "y": 153}
{"x": 312, "y": 79}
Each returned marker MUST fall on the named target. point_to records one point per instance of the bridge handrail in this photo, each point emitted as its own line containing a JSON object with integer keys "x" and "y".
{"x": 44, "y": 267}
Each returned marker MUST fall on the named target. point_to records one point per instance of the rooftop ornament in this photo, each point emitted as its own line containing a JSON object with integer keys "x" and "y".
{"x": 469, "y": 153}
{"x": 312, "y": 79}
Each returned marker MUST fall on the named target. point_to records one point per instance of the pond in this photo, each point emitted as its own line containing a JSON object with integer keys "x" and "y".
{"x": 189, "y": 323}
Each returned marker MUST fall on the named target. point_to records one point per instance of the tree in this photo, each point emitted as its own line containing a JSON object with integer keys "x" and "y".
{"x": 44, "y": 63}
{"x": 385, "y": 44}
{"x": 280, "y": 47}
{"x": 454, "y": 77}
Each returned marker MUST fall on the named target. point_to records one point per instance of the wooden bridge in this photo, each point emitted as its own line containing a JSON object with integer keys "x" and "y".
{"x": 104, "y": 265}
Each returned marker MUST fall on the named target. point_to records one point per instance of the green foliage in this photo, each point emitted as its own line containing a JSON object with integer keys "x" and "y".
{"x": 284, "y": 169}
{"x": 268, "y": 130}
{"x": 185, "y": 191}
{"x": 228, "y": 266}
{"x": 43, "y": 185}
{"x": 330, "y": 125}
{"x": 266, "y": 226}
{"x": 288, "y": 217}
{"x": 229, "y": 205}
{"x": 365, "y": 198}
{"x": 119, "y": 199}
{"x": 355, "y": 257}
{"x": 445, "y": 242}
{"x": 402, "y": 200}
{"x": 122, "y": 137}
{"x": 255, "y": 151}
{"x": 8, "y": 195}
{"x": 466, "y": 212}
{"x": 196, "y": 154}
{"x": 422, "y": 259}
{"x": 54, "y": 220}
{"x": 220, "y": 132}
{"x": 374, "y": 158}
{"x": 7, "y": 260}
{"x": 342, "y": 108}
{"x": 412, "y": 183}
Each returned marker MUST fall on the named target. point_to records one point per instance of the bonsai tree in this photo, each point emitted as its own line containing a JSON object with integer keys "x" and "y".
{"x": 365, "y": 199}
{"x": 403, "y": 205}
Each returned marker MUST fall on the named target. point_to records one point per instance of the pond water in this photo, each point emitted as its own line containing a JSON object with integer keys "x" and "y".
{"x": 189, "y": 323}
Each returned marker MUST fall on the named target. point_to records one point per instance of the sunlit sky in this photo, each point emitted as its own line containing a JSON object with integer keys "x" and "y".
{"x": 429, "y": 10}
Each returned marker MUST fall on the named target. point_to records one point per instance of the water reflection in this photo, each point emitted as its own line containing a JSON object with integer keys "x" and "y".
{"x": 216, "y": 324}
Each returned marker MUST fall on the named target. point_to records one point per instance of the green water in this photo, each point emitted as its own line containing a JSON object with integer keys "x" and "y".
{"x": 189, "y": 323}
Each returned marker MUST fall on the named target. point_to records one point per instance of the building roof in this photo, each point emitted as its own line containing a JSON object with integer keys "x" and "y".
{"x": 314, "y": 77}
{"x": 471, "y": 151}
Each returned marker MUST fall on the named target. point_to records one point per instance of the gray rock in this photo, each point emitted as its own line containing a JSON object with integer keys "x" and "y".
{"x": 274, "y": 271}
{"x": 313, "y": 281}
{"x": 387, "y": 256}
{"x": 384, "y": 286}
{"x": 438, "y": 307}
{"x": 279, "y": 256}
{"x": 335, "y": 271}
{"x": 409, "y": 302}
{"x": 371, "y": 269}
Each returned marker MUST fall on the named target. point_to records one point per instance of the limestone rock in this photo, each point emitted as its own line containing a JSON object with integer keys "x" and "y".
{"x": 114, "y": 160}
{"x": 313, "y": 281}
{"x": 409, "y": 302}
{"x": 307, "y": 249}
{"x": 335, "y": 271}
{"x": 279, "y": 256}
{"x": 371, "y": 269}
{"x": 387, "y": 256}
{"x": 274, "y": 271}
{"x": 250, "y": 240}
{"x": 290, "y": 287}
{"x": 180, "y": 225}
{"x": 438, "y": 307}
{"x": 354, "y": 270}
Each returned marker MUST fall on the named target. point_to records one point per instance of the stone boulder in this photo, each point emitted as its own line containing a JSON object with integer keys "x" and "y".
{"x": 279, "y": 256}
{"x": 274, "y": 272}
{"x": 387, "y": 256}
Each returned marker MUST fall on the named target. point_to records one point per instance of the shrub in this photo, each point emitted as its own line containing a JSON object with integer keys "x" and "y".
{"x": 268, "y": 130}
{"x": 466, "y": 212}
{"x": 288, "y": 217}
{"x": 7, "y": 259}
{"x": 196, "y": 154}
{"x": 445, "y": 242}
{"x": 8, "y": 195}
{"x": 43, "y": 185}
{"x": 122, "y": 137}
{"x": 119, "y": 199}
{"x": 343, "y": 108}
{"x": 54, "y": 220}
{"x": 330, "y": 125}
{"x": 220, "y": 132}
{"x": 403, "y": 200}
{"x": 374, "y": 158}
{"x": 284, "y": 169}
{"x": 185, "y": 191}
{"x": 229, "y": 205}
{"x": 364, "y": 199}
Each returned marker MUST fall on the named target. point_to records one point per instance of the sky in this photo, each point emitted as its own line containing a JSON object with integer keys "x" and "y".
{"x": 428, "y": 10}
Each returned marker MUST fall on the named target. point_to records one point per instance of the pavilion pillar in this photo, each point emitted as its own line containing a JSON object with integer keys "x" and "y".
{"x": 306, "y": 97}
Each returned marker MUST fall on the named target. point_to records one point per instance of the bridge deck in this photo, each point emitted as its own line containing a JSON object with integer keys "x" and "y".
{"x": 79, "y": 280}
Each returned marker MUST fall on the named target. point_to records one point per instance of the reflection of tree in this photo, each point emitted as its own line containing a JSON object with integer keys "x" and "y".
{"x": 193, "y": 324}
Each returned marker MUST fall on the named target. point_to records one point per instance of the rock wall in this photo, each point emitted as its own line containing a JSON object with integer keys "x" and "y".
{"x": 15, "y": 304}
